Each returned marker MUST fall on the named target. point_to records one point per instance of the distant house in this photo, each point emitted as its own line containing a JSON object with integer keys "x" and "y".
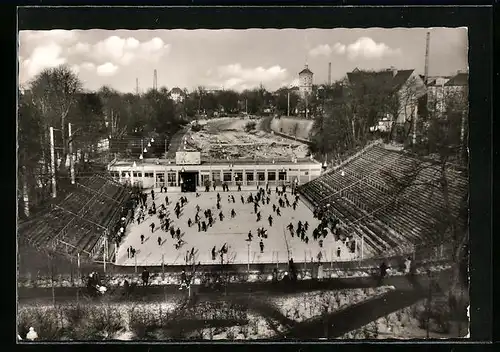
{"x": 177, "y": 95}
{"x": 407, "y": 87}
{"x": 435, "y": 92}
{"x": 457, "y": 83}
{"x": 439, "y": 87}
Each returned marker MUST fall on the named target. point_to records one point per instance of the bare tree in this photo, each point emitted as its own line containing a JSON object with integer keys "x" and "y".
{"x": 54, "y": 92}
{"x": 439, "y": 172}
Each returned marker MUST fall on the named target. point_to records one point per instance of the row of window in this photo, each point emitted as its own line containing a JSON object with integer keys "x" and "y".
{"x": 226, "y": 176}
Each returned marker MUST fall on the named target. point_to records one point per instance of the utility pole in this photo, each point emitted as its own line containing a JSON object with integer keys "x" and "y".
{"x": 155, "y": 80}
{"x": 52, "y": 162}
{"x": 329, "y": 74}
{"x": 288, "y": 103}
{"x": 246, "y": 106}
{"x": 306, "y": 103}
{"x": 137, "y": 86}
{"x": 71, "y": 158}
{"x": 426, "y": 69}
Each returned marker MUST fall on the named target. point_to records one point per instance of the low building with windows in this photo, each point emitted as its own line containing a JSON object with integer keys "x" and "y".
{"x": 188, "y": 168}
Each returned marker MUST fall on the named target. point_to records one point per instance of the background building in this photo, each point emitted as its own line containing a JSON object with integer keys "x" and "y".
{"x": 305, "y": 81}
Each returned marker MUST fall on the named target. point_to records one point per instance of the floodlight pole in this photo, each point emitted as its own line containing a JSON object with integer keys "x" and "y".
{"x": 52, "y": 162}
{"x": 71, "y": 158}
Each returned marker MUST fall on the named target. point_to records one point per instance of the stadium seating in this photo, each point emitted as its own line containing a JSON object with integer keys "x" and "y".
{"x": 83, "y": 214}
{"x": 364, "y": 195}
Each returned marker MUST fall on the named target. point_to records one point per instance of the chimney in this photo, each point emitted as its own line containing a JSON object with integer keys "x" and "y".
{"x": 329, "y": 73}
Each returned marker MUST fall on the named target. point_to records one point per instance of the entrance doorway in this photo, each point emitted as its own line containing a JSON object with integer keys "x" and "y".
{"x": 189, "y": 181}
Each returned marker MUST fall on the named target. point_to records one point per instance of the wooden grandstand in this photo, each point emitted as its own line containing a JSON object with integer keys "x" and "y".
{"x": 362, "y": 195}
{"x": 78, "y": 223}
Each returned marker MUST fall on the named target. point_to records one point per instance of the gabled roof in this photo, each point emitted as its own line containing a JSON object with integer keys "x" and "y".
{"x": 385, "y": 78}
{"x": 459, "y": 80}
{"x": 306, "y": 70}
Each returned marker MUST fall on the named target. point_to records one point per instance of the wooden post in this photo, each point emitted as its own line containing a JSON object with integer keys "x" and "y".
{"x": 331, "y": 263}
{"x": 78, "y": 266}
{"x": 49, "y": 262}
{"x": 248, "y": 258}
{"x": 163, "y": 267}
{"x": 135, "y": 264}
{"x": 71, "y": 271}
{"x": 105, "y": 247}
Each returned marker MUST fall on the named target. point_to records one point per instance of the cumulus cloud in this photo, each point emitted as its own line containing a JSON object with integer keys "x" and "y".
{"x": 321, "y": 50}
{"x": 235, "y": 76}
{"x": 339, "y": 48}
{"x": 107, "y": 69}
{"x": 125, "y": 51}
{"x": 59, "y": 36}
{"x": 42, "y": 57}
{"x": 89, "y": 66}
{"x": 47, "y": 49}
{"x": 365, "y": 48}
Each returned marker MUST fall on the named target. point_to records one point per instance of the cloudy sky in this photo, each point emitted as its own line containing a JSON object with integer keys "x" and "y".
{"x": 233, "y": 59}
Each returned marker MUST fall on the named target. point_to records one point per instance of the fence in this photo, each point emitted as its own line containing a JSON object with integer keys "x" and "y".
{"x": 245, "y": 259}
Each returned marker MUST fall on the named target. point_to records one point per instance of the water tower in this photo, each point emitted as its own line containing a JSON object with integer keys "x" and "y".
{"x": 305, "y": 81}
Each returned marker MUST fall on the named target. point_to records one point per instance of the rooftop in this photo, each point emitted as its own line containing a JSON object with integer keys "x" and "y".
{"x": 306, "y": 70}
{"x": 392, "y": 79}
{"x": 171, "y": 163}
{"x": 459, "y": 80}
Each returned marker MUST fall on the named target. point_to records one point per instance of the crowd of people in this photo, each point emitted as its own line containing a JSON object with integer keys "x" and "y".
{"x": 157, "y": 211}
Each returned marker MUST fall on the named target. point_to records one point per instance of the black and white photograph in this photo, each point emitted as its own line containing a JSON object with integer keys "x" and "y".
{"x": 253, "y": 184}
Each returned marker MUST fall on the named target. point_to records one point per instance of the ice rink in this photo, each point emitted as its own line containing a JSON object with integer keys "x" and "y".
{"x": 233, "y": 231}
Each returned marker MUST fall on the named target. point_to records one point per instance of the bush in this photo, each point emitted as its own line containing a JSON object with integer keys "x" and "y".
{"x": 143, "y": 323}
{"x": 250, "y": 126}
{"x": 101, "y": 323}
{"x": 46, "y": 323}
{"x": 196, "y": 127}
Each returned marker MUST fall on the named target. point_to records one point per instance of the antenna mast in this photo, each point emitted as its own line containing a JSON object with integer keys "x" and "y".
{"x": 155, "y": 80}
{"x": 426, "y": 69}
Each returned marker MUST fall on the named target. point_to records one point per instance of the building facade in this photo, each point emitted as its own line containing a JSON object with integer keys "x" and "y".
{"x": 305, "y": 81}
{"x": 157, "y": 173}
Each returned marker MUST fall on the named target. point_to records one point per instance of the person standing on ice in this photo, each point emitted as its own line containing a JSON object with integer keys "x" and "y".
{"x": 407, "y": 265}
{"x": 213, "y": 253}
{"x": 278, "y": 212}
{"x": 153, "y": 194}
{"x": 258, "y": 216}
{"x": 152, "y": 227}
{"x": 145, "y": 277}
{"x": 142, "y": 239}
{"x": 270, "y": 219}
{"x": 261, "y": 245}
{"x": 159, "y": 241}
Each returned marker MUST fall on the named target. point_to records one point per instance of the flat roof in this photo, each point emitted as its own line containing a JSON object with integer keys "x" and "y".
{"x": 171, "y": 163}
